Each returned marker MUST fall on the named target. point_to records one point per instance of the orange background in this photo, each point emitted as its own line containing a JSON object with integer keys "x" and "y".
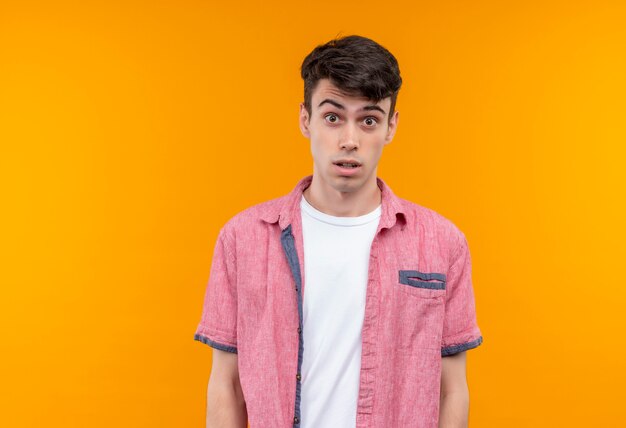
{"x": 131, "y": 131}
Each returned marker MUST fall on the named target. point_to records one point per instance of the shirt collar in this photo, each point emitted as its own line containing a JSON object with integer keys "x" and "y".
{"x": 391, "y": 208}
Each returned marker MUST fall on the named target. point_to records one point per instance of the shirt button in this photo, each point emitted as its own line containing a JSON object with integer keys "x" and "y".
{"x": 298, "y": 376}
{"x": 296, "y": 420}
{"x": 299, "y": 330}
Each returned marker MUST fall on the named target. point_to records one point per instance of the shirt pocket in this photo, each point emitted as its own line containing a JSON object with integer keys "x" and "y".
{"x": 429, "y": 285}
{"x": 419, "y": 306}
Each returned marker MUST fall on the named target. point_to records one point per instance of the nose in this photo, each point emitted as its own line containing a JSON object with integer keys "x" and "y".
{"x": 349, "y": 138}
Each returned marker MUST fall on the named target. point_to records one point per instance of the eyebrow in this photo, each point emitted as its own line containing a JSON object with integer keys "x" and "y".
{"x": 341, "y": 107}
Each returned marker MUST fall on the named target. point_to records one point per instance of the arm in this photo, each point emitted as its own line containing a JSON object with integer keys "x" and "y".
{"x": 454, "y": 399}
{"x": 226, "y": 407}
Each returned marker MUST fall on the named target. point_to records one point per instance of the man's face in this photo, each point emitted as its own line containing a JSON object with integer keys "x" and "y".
{"x": 344, "y": 128}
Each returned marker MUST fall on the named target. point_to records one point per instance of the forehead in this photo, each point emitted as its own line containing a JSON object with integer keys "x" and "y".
{"x": 325, "y": 89}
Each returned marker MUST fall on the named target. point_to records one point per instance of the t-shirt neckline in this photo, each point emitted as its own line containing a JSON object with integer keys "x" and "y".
{"x": 339, "y": 221}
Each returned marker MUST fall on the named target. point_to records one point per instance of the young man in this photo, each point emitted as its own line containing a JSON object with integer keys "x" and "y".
{"x": 340, "y": 304}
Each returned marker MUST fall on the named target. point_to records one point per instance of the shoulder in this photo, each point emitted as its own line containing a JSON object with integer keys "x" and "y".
{"x": 254, "y": 216}
{"x": 431, "y": 224}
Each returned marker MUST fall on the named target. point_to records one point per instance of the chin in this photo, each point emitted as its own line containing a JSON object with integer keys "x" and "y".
{"x": 347, "y": 184}
{"x": 343, "y": 184}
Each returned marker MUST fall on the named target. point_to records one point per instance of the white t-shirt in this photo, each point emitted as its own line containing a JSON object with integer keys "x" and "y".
{"x": 336, "y": 261}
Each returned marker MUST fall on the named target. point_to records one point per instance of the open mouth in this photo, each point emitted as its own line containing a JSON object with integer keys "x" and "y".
{"x": 348, "y": 165}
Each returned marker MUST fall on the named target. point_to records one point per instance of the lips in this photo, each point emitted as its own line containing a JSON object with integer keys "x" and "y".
{"x": 347, "y": 167}
{"x": 347, "y": 163}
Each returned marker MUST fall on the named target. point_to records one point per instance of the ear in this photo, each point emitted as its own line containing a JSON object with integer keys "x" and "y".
{"x": 304, "y": 121}
{"x": 393, "y": 125}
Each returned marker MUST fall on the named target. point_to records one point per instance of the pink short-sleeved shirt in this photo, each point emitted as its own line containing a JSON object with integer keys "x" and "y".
{"x": 419, "y": 308}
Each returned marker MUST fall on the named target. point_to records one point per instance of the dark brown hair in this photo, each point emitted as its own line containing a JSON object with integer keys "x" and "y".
{"x": 357, "y": 66}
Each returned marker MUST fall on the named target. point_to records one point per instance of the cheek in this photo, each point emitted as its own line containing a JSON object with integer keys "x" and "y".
{"x": 376, "y": 144}
{"x": 317, "y": 150}
{"x": 321, "y": 134}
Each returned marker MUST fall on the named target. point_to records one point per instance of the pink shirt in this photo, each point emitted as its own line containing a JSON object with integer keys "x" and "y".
{"x": 419, "y": 308}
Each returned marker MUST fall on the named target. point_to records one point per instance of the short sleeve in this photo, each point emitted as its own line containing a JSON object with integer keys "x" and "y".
{"x": 460, "y": 330}
{"x": 218, "y": 324}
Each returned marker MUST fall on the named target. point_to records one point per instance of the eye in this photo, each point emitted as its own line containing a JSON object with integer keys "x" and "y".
{"x": 331, "y": 117}
{"x": 370, "y": 121}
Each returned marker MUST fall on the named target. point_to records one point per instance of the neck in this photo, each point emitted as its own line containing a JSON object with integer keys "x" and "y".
{"x": 331, "y": 201}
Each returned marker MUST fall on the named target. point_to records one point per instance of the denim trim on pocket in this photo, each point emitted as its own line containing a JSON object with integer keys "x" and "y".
{"x": 436, "y": 281}
{"x": 455, "y": 349}
{"x": 214, "y": 344}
